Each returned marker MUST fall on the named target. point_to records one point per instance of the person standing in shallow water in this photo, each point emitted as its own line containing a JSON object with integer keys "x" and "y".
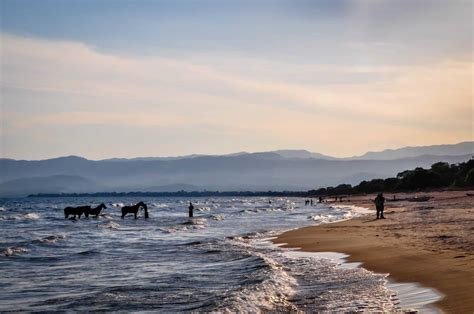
{"x": 379, "y": 205}
{"x": 191, "y": 208}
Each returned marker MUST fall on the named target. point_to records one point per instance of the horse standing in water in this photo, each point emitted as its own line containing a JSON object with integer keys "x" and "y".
{"x": 134, "y": 210}
{"x": 96, "y": 211}
{"x": 76, "y": 211}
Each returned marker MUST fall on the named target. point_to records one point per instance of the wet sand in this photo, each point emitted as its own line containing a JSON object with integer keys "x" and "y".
{"x": 430, "y": 242}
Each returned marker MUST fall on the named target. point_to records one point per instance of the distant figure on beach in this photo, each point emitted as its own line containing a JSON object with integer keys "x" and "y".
{"x": 191, "y": 208}
{"x": 379, "y": 205}
{"x": 320, "y": 199}
{"x": 269, "y": 201}
{"x": 311, "y": 202}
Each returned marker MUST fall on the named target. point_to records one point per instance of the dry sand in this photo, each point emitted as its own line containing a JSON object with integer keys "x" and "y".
{"x": 431, "y": 243}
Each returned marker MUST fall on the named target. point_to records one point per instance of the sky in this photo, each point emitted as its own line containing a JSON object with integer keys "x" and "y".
{"x": 116, "y": 78}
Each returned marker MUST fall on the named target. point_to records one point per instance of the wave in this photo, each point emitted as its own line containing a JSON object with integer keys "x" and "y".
{"x": 203, "y": 209}
{"x": 269, "y": 286}
{"x": 298, "y": 282}
{"x": 2, "y": 209}
{"x": 51, "y": 239}
{"x": 109, "y": 225}
{"x": 26, "y": 216}
{"x": 324, "y": 218}
{"x": 191, "y": 224}
{"x": 10, "y": 251}
{"x": 217, "y": 217}
{"x": 159, "y": 205}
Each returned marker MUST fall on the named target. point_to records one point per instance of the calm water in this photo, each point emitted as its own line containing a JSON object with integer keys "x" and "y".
{"x": 221, "y": 260}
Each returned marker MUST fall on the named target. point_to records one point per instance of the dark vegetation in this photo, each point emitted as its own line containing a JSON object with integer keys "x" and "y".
{"x": 440, "y": 175}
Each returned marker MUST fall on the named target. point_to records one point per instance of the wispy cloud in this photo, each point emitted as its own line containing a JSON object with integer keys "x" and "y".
{"x": 47, "y": 84}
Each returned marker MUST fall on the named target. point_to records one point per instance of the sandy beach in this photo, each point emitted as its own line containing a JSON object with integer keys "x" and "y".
{"x": 431, "y": 243}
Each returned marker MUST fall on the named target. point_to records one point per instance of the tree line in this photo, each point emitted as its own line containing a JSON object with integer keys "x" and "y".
{"x": 440, "y": 175}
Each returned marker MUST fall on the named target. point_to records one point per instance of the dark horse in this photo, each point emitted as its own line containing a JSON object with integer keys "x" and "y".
{"x": 76, "y": 211}
{"x": 96, "y": 211}
{"x": 134, "y": 209}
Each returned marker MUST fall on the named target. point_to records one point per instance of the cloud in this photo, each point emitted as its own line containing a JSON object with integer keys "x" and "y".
{"x": 254, "y": 103}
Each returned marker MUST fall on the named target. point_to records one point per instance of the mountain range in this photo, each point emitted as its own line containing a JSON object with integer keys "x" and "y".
{"x": 274, "y": 170}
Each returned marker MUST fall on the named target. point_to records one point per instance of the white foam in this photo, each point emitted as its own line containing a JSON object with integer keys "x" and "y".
{"x": 409, "y": 296}
{"x": 27, "y": 216}
{"x": 272, "y": 294}
{"x": 9, "y": 251}
{"x": 357, "y": 210}
{"x": 217, "y": 217}
{"x": 203, "y": 209}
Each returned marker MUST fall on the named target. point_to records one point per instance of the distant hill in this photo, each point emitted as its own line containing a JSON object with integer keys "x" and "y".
{"x": 49, "y": 184}
{"x": 300, "y": 153}
{"x": 464, "y": 148}
{"x": 278, "y": 170}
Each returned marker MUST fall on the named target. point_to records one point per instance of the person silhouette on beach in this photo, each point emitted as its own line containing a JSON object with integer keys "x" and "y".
{"x": 379, "y": 205}
{"x": 191, "y": 208}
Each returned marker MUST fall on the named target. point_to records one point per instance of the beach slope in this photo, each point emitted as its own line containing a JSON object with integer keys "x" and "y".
{"x": 431, "y": 243}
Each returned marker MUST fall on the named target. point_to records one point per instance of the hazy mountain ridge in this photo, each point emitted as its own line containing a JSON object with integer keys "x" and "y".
{"x": 462, "y": 148}
{"x": 48, "y": 184}
{"x": 256, "y": 171}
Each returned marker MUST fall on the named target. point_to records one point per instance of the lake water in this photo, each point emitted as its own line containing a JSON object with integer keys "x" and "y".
{"x": 221, "y": 260}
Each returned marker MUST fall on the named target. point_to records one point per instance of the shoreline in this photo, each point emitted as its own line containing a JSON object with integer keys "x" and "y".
{"x": 429, "y": 243}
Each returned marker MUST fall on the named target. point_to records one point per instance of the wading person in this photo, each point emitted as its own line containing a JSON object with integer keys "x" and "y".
{"x": 379, "y": 205}
{"x": 191, "y": 208}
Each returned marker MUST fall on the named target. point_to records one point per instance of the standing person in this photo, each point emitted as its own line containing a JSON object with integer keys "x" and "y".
{"x": 191, "y": 208}
{"x": 379, "y": 205}
{"x": 311, "y": 202}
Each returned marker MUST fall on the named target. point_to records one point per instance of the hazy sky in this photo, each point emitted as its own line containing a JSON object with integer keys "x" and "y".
{"x": 157, "y": 78}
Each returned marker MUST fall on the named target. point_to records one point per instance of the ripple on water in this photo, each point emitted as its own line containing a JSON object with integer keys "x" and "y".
{"x": 109, "y": 225}
{"x": 51, "y": 239}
